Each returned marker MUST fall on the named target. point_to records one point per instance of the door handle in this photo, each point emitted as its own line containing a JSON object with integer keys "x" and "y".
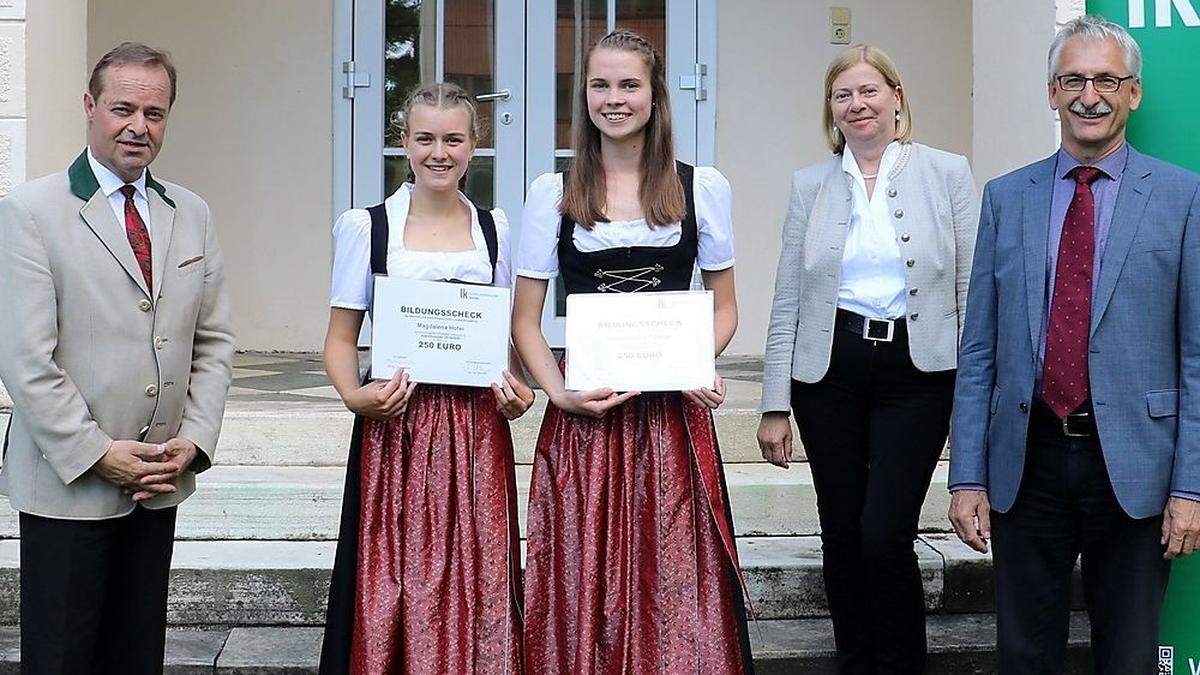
{"x": 502, "y": 95}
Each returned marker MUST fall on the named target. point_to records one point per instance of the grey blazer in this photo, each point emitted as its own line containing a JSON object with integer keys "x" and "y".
{"x": 935, "y": 212}
{"x": 89, "y": 354}
{"x": 1144, "y": 346}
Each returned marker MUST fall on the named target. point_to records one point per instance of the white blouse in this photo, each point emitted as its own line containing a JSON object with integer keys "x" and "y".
{"x": 352, "y": 286}
{"x": 537, "y": 252}
{"x": 872, "y": 269}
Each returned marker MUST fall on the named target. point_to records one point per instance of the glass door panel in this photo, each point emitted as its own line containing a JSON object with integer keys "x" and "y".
{"x": 448, "y": 41}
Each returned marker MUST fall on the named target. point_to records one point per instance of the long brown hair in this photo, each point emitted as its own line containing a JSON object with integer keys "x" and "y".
{"x": 660, "y": 192}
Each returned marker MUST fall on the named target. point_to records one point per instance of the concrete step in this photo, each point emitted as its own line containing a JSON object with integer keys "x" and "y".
{"x": 237, "y": 583}
{"x": 958, "y": 645}
{"x": 285, "y": 433}
{"x": 304, "y": 502}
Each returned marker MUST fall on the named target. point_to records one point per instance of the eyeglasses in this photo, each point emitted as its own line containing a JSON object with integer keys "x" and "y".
{"x": 1104, "y": 84}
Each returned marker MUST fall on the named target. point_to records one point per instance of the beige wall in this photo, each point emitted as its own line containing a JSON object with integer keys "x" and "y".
{"x": 1013, "y": 121}
{"x": 252, "y": 133}
{"x": 58, "y": 69}
{"x": 772, "y": 56}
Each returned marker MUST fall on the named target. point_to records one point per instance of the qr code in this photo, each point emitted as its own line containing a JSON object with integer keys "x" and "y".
{"x": 1166, "y": 661}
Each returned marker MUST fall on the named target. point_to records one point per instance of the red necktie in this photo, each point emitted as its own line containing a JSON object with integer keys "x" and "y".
{"x": 1065, "y": 374}
{"x": 139, "y": 237}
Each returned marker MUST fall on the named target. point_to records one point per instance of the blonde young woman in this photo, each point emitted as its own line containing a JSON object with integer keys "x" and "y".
{"x": 631, "y": 565}
{"x": 869, "y": 301}
{"x": 427, "y": 575}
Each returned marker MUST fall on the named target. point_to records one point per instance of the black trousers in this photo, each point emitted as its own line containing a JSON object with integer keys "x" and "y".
{"x": 1066, "y": 511}
{"x": 873, "y": 429}
{"x": 94, "y": 593}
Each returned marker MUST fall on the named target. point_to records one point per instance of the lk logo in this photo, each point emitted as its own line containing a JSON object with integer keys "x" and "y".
{"x": 1163, "y": 14}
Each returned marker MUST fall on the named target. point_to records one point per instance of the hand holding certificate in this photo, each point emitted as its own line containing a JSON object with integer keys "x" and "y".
{"x": 439, "y": 332}
{"x": 640, "y": 341}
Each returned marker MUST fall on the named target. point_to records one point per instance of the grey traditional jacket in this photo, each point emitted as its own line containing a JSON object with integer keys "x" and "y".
{"x": 935, "y": 211}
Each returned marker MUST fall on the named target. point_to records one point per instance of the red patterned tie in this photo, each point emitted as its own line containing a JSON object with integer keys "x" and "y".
{"x": 1065, "y": 374}
{"x": 139, "y": 237}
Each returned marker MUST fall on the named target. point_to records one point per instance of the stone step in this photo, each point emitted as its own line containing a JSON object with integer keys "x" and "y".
{"x": 958, "y": 645}
{"x": 318, "y": 434}
{"x": 237, "y": 583}
{"x": 304, "y": 503}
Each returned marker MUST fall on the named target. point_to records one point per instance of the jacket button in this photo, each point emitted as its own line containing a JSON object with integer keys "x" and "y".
{"x": 910, "y": 262}
{"x": 912, "y": 291}
{"x": 152, "y": 390}
{"x": 144, "y": 305}
{"x": 892, "y": 192}
{"x": 914, "y": 316}
{"x": 905, "y": 237}
{"x": 899, "y": 213}
{"x": 160, "y": 342}
{"x": 1023, "y": 407}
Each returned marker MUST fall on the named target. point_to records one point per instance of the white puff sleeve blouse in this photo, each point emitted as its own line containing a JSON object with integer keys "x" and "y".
{"x": 352, "y": 286}
{"x": 537, "y": 251}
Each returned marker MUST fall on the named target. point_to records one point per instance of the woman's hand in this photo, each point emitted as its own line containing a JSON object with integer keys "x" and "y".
{"x": 382, "y": 399}
{"x": 709, "y": 398}
{"x": 513, "y": 396}
{"x": 775, "y": 438}
{"x": 595, "y": 403}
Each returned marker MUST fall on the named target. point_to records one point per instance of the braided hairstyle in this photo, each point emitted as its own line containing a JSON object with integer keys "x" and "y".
{"x": 440, "y": 96}
{"x": 660, "y": 192}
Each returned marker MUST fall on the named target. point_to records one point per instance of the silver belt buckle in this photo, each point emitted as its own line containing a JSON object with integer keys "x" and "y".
{"x": 886, "y": 326}
{"x": 1066, "y": 425}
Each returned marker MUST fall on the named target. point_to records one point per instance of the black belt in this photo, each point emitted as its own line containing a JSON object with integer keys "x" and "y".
{"x": 1079, "y": 424}
{"x": 879, "y": 330}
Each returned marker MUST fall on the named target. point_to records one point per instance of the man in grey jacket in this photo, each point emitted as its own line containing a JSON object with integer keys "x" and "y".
{"x": 1076, "y": 426}
{"x": 116, "y": 349}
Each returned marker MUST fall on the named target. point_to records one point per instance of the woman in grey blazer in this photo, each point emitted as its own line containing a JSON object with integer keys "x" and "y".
{"x": 869, "y": 302}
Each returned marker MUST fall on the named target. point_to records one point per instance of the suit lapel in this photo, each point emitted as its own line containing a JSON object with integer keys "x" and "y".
{"x": 162, "y": 224}
{"x": 1127, "y": 214}
{"x": 1034, "y": 235}
{"x": 100, "y": 218}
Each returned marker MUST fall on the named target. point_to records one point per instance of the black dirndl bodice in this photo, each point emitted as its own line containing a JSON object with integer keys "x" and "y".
{"x": 632, "y": 269}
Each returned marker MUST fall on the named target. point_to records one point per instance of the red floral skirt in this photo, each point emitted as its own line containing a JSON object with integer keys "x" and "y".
{"x": 631, "y": 563}
{"x": 437, "y": 557}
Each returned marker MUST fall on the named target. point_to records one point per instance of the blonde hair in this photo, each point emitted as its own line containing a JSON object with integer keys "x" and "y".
{"x": 661, "y": 193}
{"x": 440, "y": 96}
{"x": 877, "y": 59}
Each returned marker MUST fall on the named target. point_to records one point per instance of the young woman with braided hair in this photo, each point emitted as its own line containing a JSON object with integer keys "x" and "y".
{"x": 631, "y": 564}
{"x": 427, "y": 573}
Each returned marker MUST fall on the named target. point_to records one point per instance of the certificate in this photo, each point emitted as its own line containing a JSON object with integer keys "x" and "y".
{"x": 640, "y": 341}
{"x": 441, "y": 333}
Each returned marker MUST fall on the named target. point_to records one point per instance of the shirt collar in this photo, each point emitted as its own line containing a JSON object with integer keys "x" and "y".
{"x": 890, "y": 154}
{"x": 111, "y": 182}
{"x": 1111, "y": 166}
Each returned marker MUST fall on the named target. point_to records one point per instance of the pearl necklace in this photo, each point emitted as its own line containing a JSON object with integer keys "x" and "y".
{"x": 870, "y": 176}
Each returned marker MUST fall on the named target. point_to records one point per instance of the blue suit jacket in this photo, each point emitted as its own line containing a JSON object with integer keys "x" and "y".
{"x": 1144, "y": 360}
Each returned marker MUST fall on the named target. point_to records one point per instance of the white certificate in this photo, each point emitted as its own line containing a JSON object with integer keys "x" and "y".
{"x": 640, "y": 341}
{"x": 441, "y": 333}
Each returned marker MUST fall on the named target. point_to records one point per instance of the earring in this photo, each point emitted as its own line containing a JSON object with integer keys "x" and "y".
{"x": 897, "y": 115}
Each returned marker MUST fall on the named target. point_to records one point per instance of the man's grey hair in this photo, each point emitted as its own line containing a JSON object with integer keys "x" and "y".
{"x": 1093, "y": 27}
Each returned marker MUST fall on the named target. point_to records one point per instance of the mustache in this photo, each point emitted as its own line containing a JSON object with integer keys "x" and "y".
{"x": 1100, "y": 108}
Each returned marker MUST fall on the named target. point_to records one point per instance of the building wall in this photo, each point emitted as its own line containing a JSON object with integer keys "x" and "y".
{"x": 1014, "y": 124}
{"x": 772, "y": 56}
{"x": 12, "y": 106}
{"x": 252, "y": 133}
{"x": 57, "y": 71}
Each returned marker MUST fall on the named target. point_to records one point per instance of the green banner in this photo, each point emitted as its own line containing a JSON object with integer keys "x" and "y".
{"x": 1165, "y": 127}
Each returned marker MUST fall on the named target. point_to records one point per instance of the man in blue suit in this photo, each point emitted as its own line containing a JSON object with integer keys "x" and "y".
{"x": 1076, "y": 426}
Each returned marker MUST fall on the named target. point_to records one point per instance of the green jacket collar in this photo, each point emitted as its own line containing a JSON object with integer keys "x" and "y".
{"x": 84, "y": 183}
